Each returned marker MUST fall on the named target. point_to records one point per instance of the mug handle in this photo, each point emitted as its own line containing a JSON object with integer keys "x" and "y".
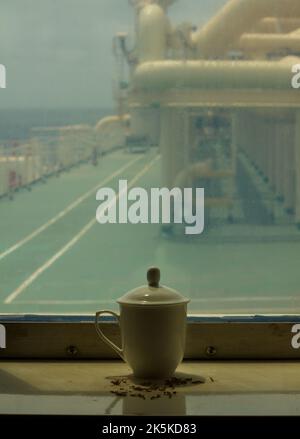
{"x": 103, "y": 337}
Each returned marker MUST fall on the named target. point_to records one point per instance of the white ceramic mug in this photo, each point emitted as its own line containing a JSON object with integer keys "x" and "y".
{"x": 153, "y": 328}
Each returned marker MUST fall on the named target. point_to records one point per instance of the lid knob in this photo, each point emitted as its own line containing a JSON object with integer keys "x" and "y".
{"x": 153, "y": 277}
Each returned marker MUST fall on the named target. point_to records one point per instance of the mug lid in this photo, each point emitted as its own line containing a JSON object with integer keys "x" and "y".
{"x": 153, "y": 293}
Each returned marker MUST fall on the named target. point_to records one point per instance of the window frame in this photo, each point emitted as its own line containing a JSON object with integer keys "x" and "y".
{"x": 215, "y": 337}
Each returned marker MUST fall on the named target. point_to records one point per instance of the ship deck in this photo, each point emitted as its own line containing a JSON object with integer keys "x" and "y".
{"x": 55, "y": 257}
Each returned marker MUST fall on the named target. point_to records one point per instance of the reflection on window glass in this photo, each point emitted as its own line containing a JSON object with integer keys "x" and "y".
{"x": 113, "y": 117}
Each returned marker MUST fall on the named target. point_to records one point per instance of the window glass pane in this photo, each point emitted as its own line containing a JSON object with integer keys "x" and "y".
{"x": 138, "y": 98}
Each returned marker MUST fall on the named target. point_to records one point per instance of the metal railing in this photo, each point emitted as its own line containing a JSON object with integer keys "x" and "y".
{"x": 50, "y": 151}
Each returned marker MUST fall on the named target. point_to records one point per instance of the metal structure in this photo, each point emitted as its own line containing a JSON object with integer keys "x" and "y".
{"x": 240, "y": 63}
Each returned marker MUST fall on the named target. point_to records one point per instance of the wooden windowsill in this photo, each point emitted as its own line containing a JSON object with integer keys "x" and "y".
{"x": 84, "y": 387}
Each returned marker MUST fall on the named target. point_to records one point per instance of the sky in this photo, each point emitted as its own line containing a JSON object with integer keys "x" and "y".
{"x": 58, "y": 53}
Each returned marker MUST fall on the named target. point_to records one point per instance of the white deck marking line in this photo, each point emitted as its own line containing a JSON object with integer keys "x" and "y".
{"x": 62, "y": 302}
{"x": 247, "y": 299}
{"x": 92, "y": 302}
{"x": 75, "y": 239}
{"x": 64, "y": 212}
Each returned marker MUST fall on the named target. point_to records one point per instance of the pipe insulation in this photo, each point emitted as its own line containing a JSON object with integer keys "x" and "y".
{"x": 110, "y": 121}
{"x": 214, "y": 75}
{"x": 236, "y": 18}
{"x": 153, "y": 28}
{"x": 269, "y": 42}
{"x": 274, "y": 25}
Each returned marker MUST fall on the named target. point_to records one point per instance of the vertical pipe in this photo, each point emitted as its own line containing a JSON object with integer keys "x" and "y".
{"x": 244, "y": 117}
{"x": 282, "y": 155}
{"x": 259, "y": 143}
{"x": 260, "y": 138}
{"x": 289, "y": 169}
{"x": 186, "y": 137}
{"x": 278, "y": 157}
{"x": 152, "y": 33}
{"x": 297, "y": 167}
{"x": 236, "y": 142}
{"x": 273, "y": 158}
{"x": 256, "y": 141}
{"x": 175, "y": 139}
{"x": 177, "y": 136}
{"x": 166, "y": 147}
{"x": 263, "y": 135}
{"x": 264, "y": 150}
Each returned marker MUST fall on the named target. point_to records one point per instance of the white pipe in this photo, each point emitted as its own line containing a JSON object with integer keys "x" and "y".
{"x": 269, "y": 42}
{"x": 236, "y": 18}
{"x": 152, "y": 33}
{"x": 213, "y": 74}
{"x": 111, "y": 132}
{"x": 276, "y": 25}
{"x": 139, "y": 4}
{"x": 111, "y": 120}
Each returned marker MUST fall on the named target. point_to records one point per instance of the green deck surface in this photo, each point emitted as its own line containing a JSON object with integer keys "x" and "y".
{"x": 218, "y": 273}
